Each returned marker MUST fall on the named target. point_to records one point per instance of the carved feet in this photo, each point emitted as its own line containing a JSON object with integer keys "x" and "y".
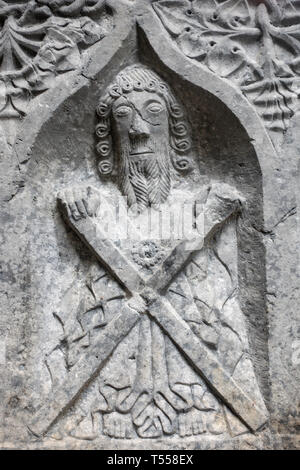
{"x": 191, "y": 423}
{"x": 118, "y": 425}
{"x": 153, "y": 423}
{"x": 195, "y": 422}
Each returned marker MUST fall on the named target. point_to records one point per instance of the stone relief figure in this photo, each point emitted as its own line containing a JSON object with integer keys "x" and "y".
{"x": 148, "y": 387}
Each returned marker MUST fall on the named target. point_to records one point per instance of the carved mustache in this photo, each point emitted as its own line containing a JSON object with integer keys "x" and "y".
{"x": 141, "y": 145}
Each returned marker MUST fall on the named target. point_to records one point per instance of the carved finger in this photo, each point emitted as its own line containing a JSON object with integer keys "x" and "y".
{"x": 188, "y": 428}
{"x": 118, "y": 428}
{"x": 181, "y": 426}
{"x": 95, "y": 205}
{"x": 185, "y": 428}
{"x": 70, "y": 198}
{"x": 122, "y": 429}
{"x": 115, "y": 428}
{"x": 128, "y": 430}
{"x": 87, "y": 208}
{"x": 108, "y": 425}
{"x": 111, "y": 427}
{"x": 74, "y": 211}
{"x": 196, "y": 428}
{"x": 95, "y": 199}
{"x": 63, "y": 205}
{"x": 108, "y": 428}
{"x": 81, "y": 208}
{"x": 92, "y": 201}
{"x": 68, "y": 212}
{"x": 68, "y": 201}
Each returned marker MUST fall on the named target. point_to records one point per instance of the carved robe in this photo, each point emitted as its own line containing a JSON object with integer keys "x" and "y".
{"x": 147, "y": 388}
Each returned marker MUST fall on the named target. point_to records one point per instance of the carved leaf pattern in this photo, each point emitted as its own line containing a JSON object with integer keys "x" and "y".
{"x": 254, "y": 44}
{"x": 40, "y": 39}
{"x": 93, "y": 313}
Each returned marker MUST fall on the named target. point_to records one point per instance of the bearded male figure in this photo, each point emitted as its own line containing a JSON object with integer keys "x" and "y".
{"x": 148, "y": 388}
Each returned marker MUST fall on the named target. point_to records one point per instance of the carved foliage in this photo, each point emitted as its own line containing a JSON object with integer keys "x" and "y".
{"x": 40, "y": 39}
{"x": 254, "y": 44}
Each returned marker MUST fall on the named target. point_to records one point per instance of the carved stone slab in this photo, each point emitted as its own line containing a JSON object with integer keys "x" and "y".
{"x": 149, "y": 174}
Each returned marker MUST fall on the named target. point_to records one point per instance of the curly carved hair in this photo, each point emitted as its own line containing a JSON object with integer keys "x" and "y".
{"x": 141, "y": 78}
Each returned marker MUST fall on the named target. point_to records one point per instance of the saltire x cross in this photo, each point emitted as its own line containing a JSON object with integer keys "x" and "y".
{"x": 146, "y": 298}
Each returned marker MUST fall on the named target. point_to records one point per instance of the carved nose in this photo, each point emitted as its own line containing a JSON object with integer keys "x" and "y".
{"x": 139, "y": 127}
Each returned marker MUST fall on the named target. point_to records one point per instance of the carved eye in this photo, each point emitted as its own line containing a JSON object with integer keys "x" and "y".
{"x": 155, "y": 108}
{"x": 123, "y": 111}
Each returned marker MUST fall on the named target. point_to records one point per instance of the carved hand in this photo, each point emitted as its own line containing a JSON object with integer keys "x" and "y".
{"x": 222, "y": 202}
{"x": 79, "y": 203}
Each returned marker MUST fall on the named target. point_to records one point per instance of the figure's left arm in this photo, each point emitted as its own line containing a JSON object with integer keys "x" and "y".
{"x": 222, "y": 203}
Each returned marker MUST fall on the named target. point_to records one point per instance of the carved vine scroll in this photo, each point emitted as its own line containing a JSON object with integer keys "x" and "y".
{"x": 41, "y": 39}
{"x": 254, "y": 44}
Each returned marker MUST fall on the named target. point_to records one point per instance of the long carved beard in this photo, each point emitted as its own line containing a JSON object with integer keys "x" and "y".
{"x": 145, "y": 182}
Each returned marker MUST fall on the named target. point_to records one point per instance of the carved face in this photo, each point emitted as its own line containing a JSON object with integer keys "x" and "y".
{"x": 141, "y": 131}
{"x": 141, "y": 124}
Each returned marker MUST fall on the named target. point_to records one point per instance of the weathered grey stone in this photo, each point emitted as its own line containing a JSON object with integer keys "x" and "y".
{"x": 149, "y": 258}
